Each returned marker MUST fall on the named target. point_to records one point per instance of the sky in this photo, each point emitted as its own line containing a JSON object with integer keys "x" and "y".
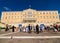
{"x": 19, "y": 5}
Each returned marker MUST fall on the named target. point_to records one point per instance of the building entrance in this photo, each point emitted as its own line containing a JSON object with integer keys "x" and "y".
{"x": 29, "y": 21}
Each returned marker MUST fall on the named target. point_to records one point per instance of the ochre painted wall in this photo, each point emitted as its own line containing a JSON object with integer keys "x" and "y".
{"x": 16, "y": 17}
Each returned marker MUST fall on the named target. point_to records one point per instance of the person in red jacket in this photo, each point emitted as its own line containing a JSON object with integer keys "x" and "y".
{"x": 57, "y": 27}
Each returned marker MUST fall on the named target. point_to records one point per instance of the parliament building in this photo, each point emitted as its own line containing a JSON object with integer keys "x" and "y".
{"x": 29, "y": 16}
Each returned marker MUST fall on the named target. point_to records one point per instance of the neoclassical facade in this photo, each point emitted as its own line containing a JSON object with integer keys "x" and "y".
{"x": 29, "y": 16}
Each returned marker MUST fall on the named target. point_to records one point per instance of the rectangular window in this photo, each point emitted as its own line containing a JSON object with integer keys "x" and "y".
{"x": 56, "y": 17}
{"x": 47, "y": 16}
{"x": 46, "y": 12}
{"x": 43, "y": 12}
{"x": 53, "y": 17}
{"x": 12, "y": 17}
{"x": 40, "y": 16}
{"x": 6, "y": 17}
{"x": 50, "y": 16}
{"x": 44, "y": 16}
{"x": 55, "y": 12}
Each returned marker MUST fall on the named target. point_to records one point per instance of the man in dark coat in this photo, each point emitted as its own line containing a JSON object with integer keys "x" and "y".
{"x": 6, "y": 28}
{"x": 37, "y": 29}
{"x": 13, "y": 29}
{"x": 29, "y": 28}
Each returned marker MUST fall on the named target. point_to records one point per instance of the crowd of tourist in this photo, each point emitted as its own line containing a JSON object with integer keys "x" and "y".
{"x": 37, "y": 28}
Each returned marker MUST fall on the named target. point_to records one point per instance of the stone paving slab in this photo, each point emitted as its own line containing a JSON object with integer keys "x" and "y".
{"x": 30, "y": 40}
{"x": 34, "y": 34}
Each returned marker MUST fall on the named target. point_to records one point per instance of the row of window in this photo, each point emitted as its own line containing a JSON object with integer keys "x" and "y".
{"x": 46, "y": 21}
{"x": 32, "y": 13}
{"x": 37, "y": 22}
{"x": 47, "y": 12}
{"x": 28, "y": 17}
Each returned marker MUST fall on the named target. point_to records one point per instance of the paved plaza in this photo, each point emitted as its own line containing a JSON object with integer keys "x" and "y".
{"x": 30, "y": 40}
{"x": 24, "y": 37}
{"x": 18, "y": 33}
{"x": 33, "y": 34}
